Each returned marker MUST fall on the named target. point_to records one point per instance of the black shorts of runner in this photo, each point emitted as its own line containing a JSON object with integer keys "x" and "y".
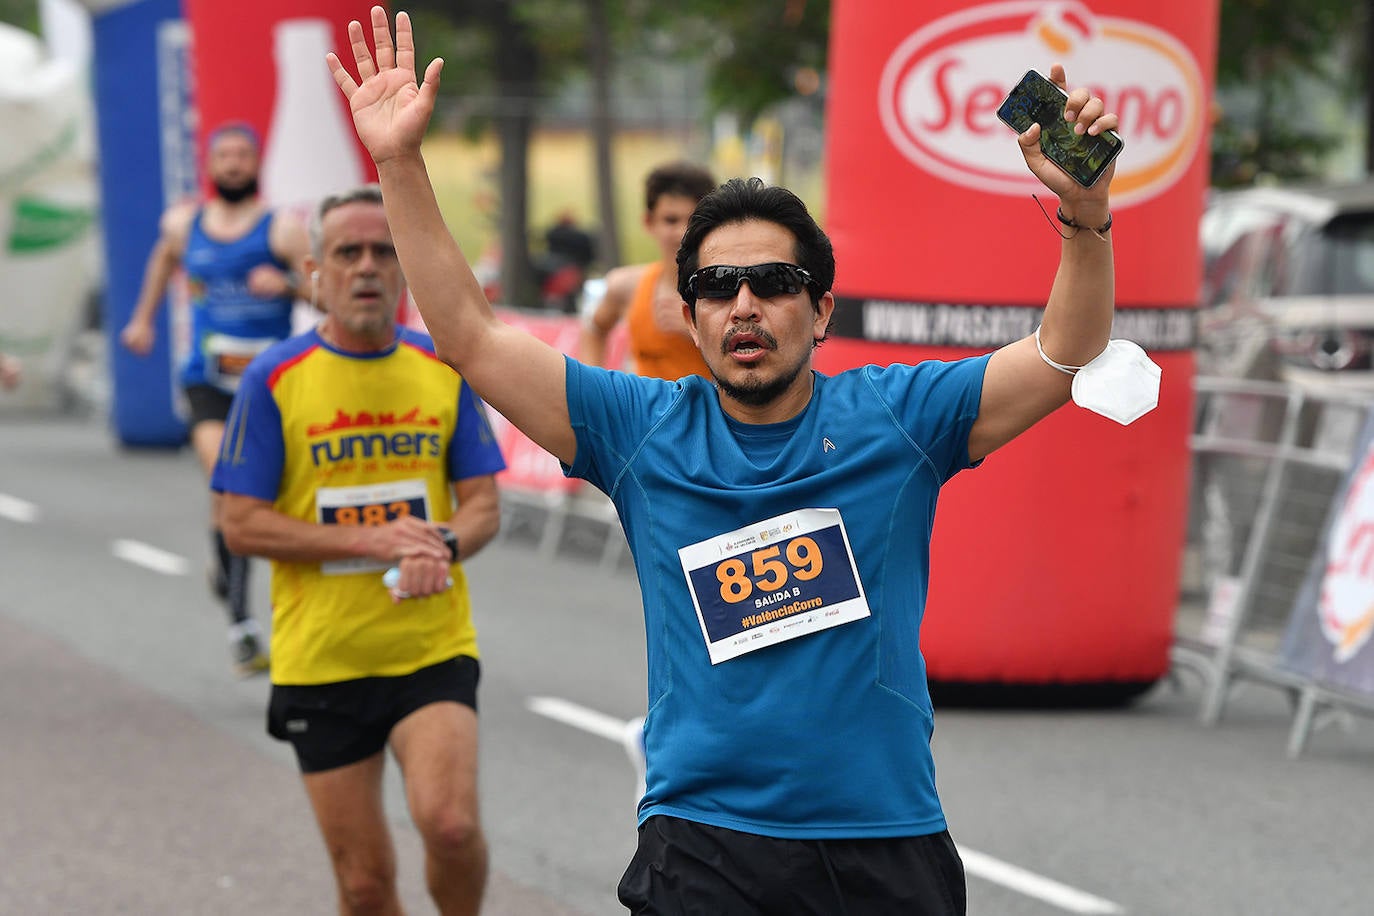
{"x": 208, "y": 403}
{"x": 333, "y": 725}
{"x": 683, "y": 868}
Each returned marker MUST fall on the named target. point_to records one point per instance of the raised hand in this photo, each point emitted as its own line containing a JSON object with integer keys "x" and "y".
{"x": 390, "y": 110}
{"x": 1090, "y": 116}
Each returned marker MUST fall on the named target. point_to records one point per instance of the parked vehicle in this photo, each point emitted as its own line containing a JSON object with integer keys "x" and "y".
{"x": 1288, "y": 289}
{"x": 1288, "y": 296}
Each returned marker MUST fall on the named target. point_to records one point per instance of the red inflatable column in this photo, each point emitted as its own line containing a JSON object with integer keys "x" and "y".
{"x": 1057, "y": 562}
{"x": 262, "y": 62}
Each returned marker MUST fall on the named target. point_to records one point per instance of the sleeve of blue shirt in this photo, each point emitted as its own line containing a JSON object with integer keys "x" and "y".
{"x": 253, "y": 452}
{"x": 937, "y": 404}
{"x": 474, "y": 451}
{"x": 610, "y": 412}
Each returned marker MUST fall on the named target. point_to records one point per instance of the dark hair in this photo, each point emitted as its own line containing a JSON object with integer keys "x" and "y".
{"x": 365, "y": 193}
{"x": 685, "y": 179}
{"x": 242, "y": 128}
{"x": 740, "y": 200}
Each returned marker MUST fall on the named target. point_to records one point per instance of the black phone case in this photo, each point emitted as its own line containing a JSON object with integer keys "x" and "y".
{"x": 1037, "y": 100}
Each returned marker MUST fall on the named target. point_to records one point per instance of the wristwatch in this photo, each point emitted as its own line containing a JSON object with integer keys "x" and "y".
{"x": 450, "y": 541}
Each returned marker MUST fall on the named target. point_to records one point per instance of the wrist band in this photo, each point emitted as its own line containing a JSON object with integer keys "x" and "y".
{"x": 450, "y": 541}
{"x": 1075, "y": 224}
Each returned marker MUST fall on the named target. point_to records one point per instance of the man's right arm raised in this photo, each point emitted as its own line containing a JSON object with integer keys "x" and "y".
{"x": 515, "y": 373}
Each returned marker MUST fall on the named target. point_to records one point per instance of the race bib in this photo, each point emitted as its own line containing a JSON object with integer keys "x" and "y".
{"x": 226, "y": 357}
{"x": 374, "y": 504}
{"x": 772, "y": 581}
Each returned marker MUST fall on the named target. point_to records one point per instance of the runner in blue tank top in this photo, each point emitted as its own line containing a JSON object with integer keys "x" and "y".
{"x": 230, "y": 323}
{"x": 242, "y": 265}
{"x": 780, "y": 521}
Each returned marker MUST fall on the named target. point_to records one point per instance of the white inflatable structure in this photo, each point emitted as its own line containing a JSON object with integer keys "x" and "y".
{"x": 49, "y": 261}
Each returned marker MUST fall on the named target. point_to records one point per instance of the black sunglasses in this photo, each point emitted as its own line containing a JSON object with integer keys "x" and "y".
{"x": 765, "y": 281}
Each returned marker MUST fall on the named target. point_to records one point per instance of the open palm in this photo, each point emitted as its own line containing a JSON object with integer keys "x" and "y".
{"x": 390, "y": 109}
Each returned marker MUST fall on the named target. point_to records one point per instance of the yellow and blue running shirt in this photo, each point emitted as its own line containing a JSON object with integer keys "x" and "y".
{"x": 342, "y": 438}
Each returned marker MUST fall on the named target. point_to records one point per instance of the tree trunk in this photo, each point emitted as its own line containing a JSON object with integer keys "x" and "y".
{"x": 603, "y": 131}
{"x": 517, "y": 68}
{"x": 1369, "y": 87}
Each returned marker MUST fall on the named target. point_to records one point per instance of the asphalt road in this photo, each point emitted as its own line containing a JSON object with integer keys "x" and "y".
{"x": 135, "y": 776}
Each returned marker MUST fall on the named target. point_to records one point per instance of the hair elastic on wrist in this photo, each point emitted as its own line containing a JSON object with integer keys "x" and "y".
{"x": 1098, "y": 231}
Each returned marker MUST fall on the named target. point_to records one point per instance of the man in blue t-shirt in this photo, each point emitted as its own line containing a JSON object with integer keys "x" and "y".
{"x": 780, "y": 521}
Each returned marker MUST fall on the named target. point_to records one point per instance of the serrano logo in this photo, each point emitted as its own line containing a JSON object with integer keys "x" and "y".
{"x": 940, "y": 90}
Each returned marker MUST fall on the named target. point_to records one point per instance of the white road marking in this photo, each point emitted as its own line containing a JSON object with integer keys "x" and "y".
{"x": 1033, "y": 885}
{"x": 150, "y": 557}
{"x": 588, "y": 720}
{"x": 984, "y": 866}
{"x": 17, "y": 510}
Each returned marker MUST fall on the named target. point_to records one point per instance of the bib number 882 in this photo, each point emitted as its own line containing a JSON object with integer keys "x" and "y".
{"x": 371, "y": 515}
{"x": 766, "y": 570}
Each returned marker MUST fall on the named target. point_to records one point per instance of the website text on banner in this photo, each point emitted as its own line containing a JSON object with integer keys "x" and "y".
{"x": 944, "y": 254}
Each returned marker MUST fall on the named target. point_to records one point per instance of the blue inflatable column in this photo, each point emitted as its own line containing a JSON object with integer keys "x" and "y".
{"x": 145, "y": 123}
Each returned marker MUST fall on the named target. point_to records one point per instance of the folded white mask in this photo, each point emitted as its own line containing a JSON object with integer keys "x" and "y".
{"x": 1121, "y": 383}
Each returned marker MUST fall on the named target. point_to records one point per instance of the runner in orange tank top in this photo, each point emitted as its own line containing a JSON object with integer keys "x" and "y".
{"x": 655, "y": 350}
{"x": 645, "y": 295}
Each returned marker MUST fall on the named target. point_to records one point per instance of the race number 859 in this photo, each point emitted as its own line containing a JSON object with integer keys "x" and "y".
{"x": 769, "y": 569}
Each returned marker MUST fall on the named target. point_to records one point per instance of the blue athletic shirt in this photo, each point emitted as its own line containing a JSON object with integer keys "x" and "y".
{"x": 825, "y": 735}
{"x": 229, "y": 325}
{"x": 341, "y": 438}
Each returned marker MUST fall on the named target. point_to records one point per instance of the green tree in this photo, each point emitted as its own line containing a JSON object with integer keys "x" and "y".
{"x": 754, "y": 52}
{"x": 505, "y": 57}
{"x": 23, "y": 13}
{"x": 1270, "y": 57}
{"x": 490, "y": 56}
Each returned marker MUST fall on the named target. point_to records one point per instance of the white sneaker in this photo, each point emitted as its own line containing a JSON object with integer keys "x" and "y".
{"x": 247, "y": 649}
{"x": 632, "y": 739}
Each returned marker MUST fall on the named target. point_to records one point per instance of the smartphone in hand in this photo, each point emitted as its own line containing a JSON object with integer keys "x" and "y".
{"x": 1036, "y": 100}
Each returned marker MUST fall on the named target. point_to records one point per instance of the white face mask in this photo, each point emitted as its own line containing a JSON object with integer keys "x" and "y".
{"x": 1121, "y": 384}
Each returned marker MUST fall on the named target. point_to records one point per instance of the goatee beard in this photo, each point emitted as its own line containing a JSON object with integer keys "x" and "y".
{"x": 237, "y": 194}
{"x": 758, "y": 393}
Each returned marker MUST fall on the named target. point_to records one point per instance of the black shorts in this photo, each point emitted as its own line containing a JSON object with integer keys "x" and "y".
{"x": 333, "y": 725}
{"x": 208, "y": 403}
{"x": 683, "y": 868}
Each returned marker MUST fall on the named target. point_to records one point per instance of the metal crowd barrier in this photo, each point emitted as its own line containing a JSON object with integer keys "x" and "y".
{"x": 1269, "y": 459}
